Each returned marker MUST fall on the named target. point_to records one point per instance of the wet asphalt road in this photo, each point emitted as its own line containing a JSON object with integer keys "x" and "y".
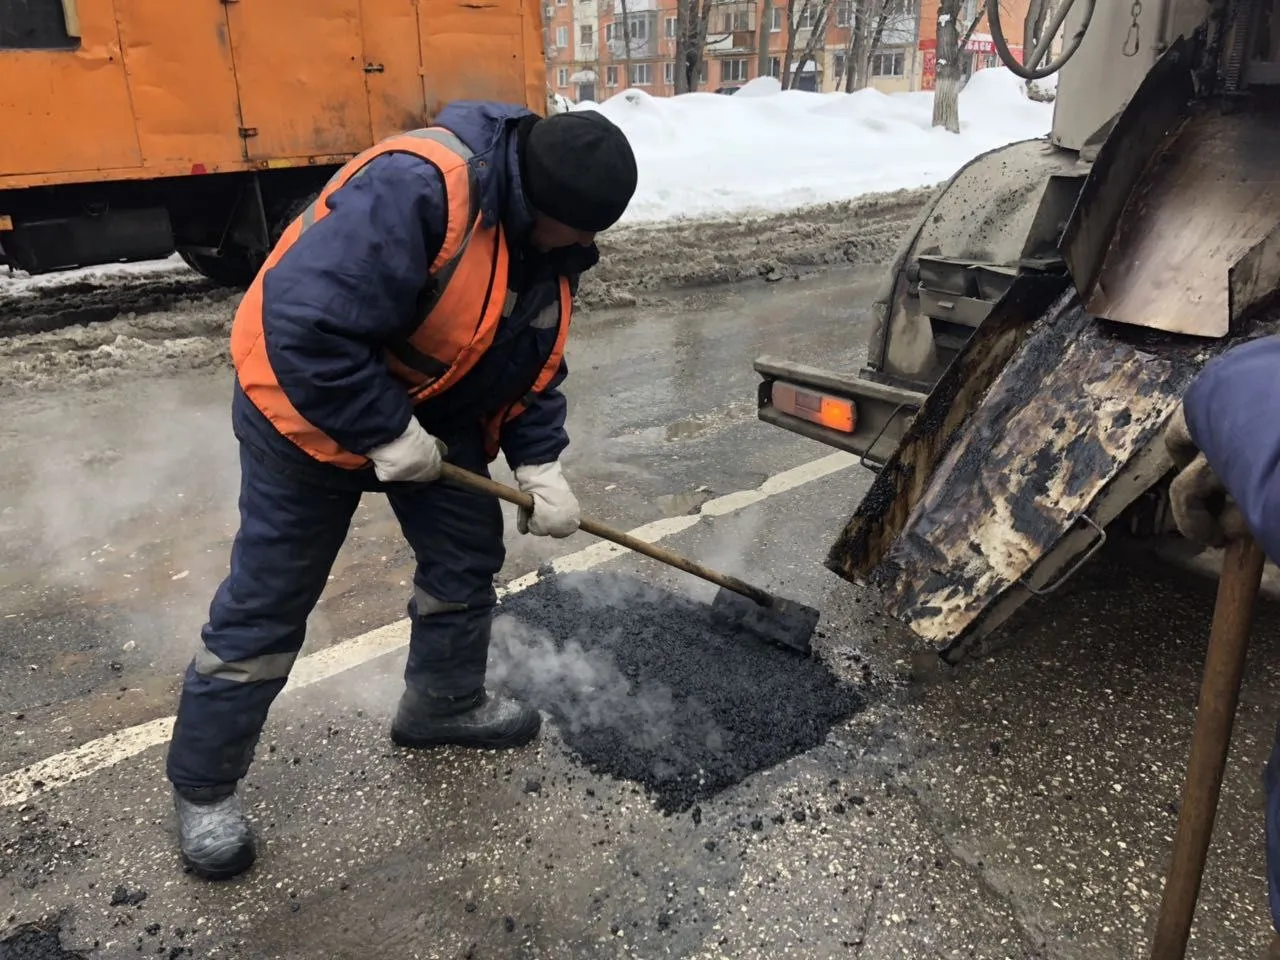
{"x": 1021, "y": 807}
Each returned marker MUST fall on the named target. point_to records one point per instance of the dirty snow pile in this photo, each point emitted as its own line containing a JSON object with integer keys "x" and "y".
{"x": 20, "y": 283}
{"x": 769, "y": 150}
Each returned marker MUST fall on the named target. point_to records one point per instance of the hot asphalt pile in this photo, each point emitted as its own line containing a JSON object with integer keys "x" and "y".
{"x": 644, "y": 687}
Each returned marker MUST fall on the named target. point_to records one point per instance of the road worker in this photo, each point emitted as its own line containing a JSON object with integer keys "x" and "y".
{"x": 415, "y": 313}
{"x": 1226, "y": 443}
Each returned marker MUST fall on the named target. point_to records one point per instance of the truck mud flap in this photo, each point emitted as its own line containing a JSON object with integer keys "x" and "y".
{"x": 1042, "y": 412}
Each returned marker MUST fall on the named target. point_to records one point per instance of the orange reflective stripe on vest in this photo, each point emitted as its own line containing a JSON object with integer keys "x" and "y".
{"x": 469, "y": 280}
{"x": 493, "y": 429}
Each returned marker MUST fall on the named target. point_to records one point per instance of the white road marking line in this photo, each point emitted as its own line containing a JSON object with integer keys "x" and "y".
{"x": 89, "y": 758}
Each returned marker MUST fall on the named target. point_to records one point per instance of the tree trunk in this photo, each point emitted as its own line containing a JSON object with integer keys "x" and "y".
{"x": 692, "y": 17}
{"x": 795, "y": 10}
{"x": 946, "y": 94}
{"x": 816, "y": 35}
{"x": 626, "y": 41}
{"x": 762, "y": 39}
{"x": 855, "y": 18}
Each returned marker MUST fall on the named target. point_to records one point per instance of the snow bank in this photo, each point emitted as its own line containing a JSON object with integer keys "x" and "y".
{"x": 767, "y": 150}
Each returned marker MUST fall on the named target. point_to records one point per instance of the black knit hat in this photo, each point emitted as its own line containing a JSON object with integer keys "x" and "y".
{"x": 578, "y": 168}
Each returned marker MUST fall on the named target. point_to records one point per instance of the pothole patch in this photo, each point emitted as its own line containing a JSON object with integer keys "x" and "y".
{"x": 644, "y": 687}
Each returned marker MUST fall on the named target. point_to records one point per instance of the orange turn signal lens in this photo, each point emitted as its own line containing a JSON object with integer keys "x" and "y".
{"x": 835, "y": 413}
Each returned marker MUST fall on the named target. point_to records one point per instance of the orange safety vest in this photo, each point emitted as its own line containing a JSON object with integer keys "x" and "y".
{"x": 459, "y": 323}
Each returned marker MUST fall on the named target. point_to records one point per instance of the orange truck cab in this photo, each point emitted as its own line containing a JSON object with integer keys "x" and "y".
{"x": 131, "y": 129}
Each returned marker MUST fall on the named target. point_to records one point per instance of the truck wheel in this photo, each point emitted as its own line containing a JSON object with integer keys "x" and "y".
{"x": 232, "y": 270}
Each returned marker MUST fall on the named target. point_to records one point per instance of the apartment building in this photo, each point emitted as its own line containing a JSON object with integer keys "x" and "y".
{"x": 597, "y": 48}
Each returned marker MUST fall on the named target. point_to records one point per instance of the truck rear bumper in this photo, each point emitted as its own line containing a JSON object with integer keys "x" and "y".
{"x": 880, "y": 411}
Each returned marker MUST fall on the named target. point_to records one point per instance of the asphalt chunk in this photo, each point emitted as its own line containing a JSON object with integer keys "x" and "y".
{"x": 36, "y": 941}
{"x": 645, "y": 687}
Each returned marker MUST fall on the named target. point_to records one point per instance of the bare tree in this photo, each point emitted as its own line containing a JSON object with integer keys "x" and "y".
{"x": 762, "y": 38}
{"x": 626, "y": 39}
{"x": 817, "y": 36}
{"x": 952, "y": 39}
{"x": 692, "y": 19}
{"x": 816, "y": 13}
{"x": 867, "y": 22}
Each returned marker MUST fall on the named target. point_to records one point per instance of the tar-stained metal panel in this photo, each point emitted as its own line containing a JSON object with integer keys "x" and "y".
{"x": 1255, "y": 279}
{"x": 1157, "y": 107}
{"x": 1065, "y": 415}
{"x": 883, "y": 512}
{"x": 1210, "y": 197}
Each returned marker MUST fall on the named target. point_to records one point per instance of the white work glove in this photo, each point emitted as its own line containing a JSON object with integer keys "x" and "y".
{"x": 415, "y": 456}
{"x": 555, "y": 508}
{"x": 1202, "y": 509}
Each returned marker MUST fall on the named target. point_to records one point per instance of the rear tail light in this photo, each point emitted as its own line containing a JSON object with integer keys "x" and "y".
{"x": 835, "y": 413}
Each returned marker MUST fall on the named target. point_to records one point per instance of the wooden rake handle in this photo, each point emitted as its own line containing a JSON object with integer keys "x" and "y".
{"x": 472, "y": 481}
{"x": 1215, "y": 714}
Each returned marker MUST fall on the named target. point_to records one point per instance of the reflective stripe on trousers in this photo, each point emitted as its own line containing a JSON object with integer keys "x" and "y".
{"x": 290, "y": 533}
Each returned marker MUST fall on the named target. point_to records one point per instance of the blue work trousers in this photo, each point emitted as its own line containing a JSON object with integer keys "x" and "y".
{"x": 290, "y": 533}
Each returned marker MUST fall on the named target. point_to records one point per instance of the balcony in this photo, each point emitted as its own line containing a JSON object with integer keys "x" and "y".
{"x": 640, "y": 49}
{"x": 731, "y": 42}
{"x": 614, "y": 7}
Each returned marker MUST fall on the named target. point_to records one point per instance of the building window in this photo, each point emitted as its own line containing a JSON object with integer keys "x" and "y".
{"x": 639, "y": 30}
{"x": 562, "y": 77}
{"x": 733, "y": 71}
{"x": 838, "y": 64}
{"x": 669, "y": 74}
{"x": 584, "y": 35}
{"x": 641, "y": 75}
{"x": 703, "y": 73}
{"x": 844, "y": 13}
{"x": 806, "y": 16}
{"x": 737, "y": 20}
{"x": 610, "y": 76}
{"x": 562, "y": 37}
{"x": 887, "y": 64}
{"x": 775, "y": 19}
{"x": 670, "y": 26}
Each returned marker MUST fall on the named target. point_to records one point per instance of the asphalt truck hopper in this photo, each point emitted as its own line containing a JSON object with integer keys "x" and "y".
{"x": 1189, "y": 241}
{"x": 1044, "y": 429}
{"x": 1048, "y": 423}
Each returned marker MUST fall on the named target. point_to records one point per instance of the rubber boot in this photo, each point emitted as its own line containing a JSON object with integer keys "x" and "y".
{"x": 214, "y": 836}
{"x": 479, "y": 720}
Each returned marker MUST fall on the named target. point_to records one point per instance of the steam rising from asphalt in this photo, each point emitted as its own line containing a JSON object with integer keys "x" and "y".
{"x": 586, "y": 689}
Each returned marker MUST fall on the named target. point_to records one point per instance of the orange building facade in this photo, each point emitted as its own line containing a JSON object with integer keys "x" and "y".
{"x": 591, "y": 57}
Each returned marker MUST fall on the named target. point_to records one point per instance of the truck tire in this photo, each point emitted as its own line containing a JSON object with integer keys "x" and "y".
{"x": 233, "y": 270}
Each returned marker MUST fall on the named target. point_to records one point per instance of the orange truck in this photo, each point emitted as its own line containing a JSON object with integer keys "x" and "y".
{"x": 131, "y": 129}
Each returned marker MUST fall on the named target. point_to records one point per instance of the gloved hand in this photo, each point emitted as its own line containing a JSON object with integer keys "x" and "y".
{"x": 414, "y": 456}
{"x": 1202, "y": 509}
{"x": 555, "y": 508}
